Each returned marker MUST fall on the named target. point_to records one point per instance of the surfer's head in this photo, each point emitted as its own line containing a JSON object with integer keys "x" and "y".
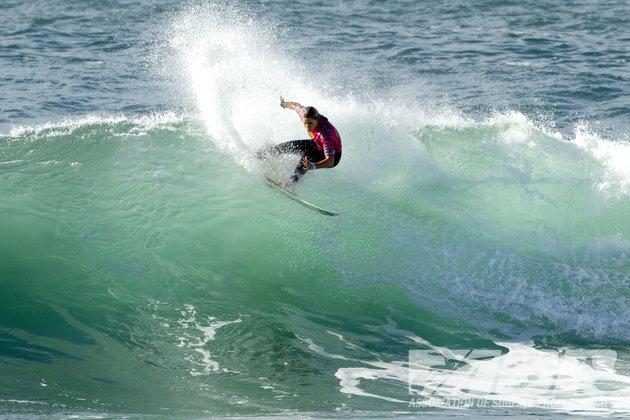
{"x": 311, "y": 116}
{"x": 311, "y": 112}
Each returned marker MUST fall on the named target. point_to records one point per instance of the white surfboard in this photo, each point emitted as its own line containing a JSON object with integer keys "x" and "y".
{"x": 277, "y": 185}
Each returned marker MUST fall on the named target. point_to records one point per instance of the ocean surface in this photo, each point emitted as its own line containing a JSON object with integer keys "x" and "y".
{"x": 480, "y": 264}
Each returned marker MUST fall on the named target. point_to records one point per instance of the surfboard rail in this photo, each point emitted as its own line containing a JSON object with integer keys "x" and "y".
{"x": 277, "y": 185}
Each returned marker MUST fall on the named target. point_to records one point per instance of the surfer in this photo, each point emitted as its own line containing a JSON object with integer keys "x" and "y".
{"x": 322, "y": 150}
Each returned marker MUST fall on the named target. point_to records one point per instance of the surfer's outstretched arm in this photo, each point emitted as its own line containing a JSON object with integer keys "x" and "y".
{"x": 292, "y": 105}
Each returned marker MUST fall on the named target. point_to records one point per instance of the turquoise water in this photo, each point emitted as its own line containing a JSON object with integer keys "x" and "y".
{"x": 480, "y": 261}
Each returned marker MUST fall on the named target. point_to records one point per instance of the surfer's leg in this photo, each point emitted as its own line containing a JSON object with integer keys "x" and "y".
{"x": 337, "y": 159}
{"x": 312, "y": 153}
{"x": 290, "y": 147}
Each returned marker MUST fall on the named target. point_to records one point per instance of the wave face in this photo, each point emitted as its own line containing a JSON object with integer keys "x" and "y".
{"x": 146, "y": 268}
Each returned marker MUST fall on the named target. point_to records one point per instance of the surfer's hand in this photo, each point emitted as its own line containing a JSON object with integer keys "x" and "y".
{"x": 306, "y": 163}
{"x": 282, "y": 104}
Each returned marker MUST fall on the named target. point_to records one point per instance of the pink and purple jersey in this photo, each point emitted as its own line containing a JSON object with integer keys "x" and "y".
{"x": 325, "y": 135}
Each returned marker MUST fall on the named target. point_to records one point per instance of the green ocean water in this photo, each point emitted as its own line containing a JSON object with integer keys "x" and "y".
{"x": 144, "y": 271}
{"x": 479, "y": 265}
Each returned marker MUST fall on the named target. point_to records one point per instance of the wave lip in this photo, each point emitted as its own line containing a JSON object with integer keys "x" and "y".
{"x": 614, "y": 156}
{"x": 68, "y": 125}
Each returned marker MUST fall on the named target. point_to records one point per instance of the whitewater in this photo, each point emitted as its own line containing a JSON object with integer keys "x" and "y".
{"x": 480, "y": 264}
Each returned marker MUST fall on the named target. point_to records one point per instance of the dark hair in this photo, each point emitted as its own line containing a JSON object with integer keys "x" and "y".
{"x": 311, "y": 112}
